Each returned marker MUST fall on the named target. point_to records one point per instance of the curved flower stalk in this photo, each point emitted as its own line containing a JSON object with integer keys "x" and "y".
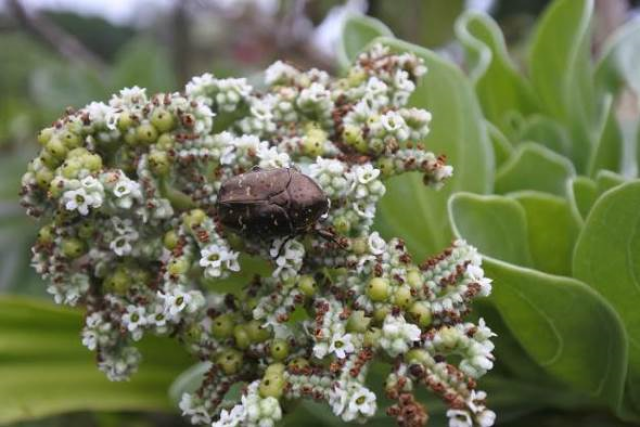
{"x": 127, "y": 193}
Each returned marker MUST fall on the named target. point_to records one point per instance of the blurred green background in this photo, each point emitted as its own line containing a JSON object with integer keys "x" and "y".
{"x": 57, "y": 54}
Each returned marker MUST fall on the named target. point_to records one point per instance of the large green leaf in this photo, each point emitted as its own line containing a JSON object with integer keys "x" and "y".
{"x": 566, "y": 327}
{"x": 545, "y": 131}
{"x": 552, "y": 231}
{"x": 496, "y": 225}
{"x": 409, "y": 209}
{"x": 582, "y": 194}
{"x": 607, "y": 257}
{"x": 607, "y": 154}
{"x": 618, "y": 64}
{"x": 561, "y": 71}
{"x": 45, "y": 370}
{"x": 144, "y": 63}
{"x": 502, "y": 148}
{"x": 499, "y": 86}
{"x": 358, "y": 32}
{"x": 534, "y": 167}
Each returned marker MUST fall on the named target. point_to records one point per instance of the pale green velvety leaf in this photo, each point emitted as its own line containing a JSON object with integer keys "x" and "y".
{"x": 534, "y": 167}
{"x": 357, "y": 33}
{"x": 561, "y": 71}
{"x": 582, "y": 194}
{"x": 502, "y": 148}
{"x": 620, "y": 60}
{"x": 565, "y": 326}
{"x": 545, "y": 131}
{"x": 144, "y": 63}
{"x": 607, "y": 257}
{"x": 499, "y": 86}
{"x": 45, "y": 370}
{"x": 606, "y": 180}
{"x": 607, "y": 154}
{"x": 552, "y": 230}
{"x": 409, "y": 209}
{"x": 496, "y": 225}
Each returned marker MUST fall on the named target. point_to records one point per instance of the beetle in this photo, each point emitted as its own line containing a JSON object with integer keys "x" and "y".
{"x": 271, "y": 203}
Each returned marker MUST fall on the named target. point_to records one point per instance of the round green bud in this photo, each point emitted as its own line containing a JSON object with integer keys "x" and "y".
{"x": 50, "y": 160}
{"x": 272, "y": 386}
{"x": 274, "y": 369}
{"x": 386, "y": 165}
{"x": 45, "y": 135}
{"x": 402, "y": 296}
{"x": 86, "y": 230}
{"x": 307, "y": 285}
{"x": 159, "y": 163}
{"x": 125, "y": 121}
{"x": 194, "y": 332}
{"x": 230, "y": 360}
{"x": 378, "y": 289}
{"x": 131, "y": 136}
{"x": 420, "y": 313}
{"x": 56, "y": 186}
{"x": 165, "y": 142}
{"x": 77, "y": 152}
{"x": 342, "y": 225}
{"x": 222, "y": 326}
{"x": 313, "y": 143}
{"x": 358, "y": 322}
{"x": 146, "y": 133}
{"x": 241, "y": 336}
{"x": 380, "y": 314}
{"x": 352, "y": 135}
{"x": 45, "y": 234}
{"x": 372, "y": 337}
{"x": 72, "y": 247}
{"x": 419, "y": 356}
{"x": 256, "y": 332}
{"x": 44, "y": 177}
{"x": 376, "y": 146}
{"x": 356, "y": 77}
{"x": 93, "y": 162}
{"x": 118, "y": 282}
{"x": 71, "y": 167}
{"x": 194, "y": 218}
{"x": 162, "y": 119}
{"x": 414, "y": 278}
{"x": 178, "y": 266}
{"x": 279, "y": 349}
{"x": 299, "y": 362}
{"x": 56, "y": 148}
{"x": 70, "y": 139}
{"x": 359, "y": 246}
{"x": 170, "y": 240}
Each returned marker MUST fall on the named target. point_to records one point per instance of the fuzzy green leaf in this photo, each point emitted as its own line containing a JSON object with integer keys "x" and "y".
{"x": 357, "y": 33}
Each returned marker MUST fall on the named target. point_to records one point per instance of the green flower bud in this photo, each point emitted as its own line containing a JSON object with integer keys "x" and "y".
{"x": 45, "y": 135}
{"x": 419, "y": 356}
{"x": 378, "y": 289}
{"x": 387, "y": 166}
{"x": 402, "y": 296}
{"x": 162, "y": 120}
{"x": 146, "y": 133}
{"x": 359, "y": 246}
{"x": 279, "y": 349}
{"x": 420, "y": 313}
{"x": 56, "y": 148}
{"x": 71, "y": 167}
{"x": 125, "y": 121}
{"x": 178, "y": 266}
{"x": 358, "y": 322}
{"x": 342, "y": 225}
{"x": 86, "y": 230}
{"x": 70, "y": 139}
{"x": 272, "y": 386}
{"x": 313, "y": 143}
{"x": 256, "y": 332}
{"x": 274, "y": 369}
{"x": 93, "y": 162}
{"x": 49, "y": 160}
{"x": 414, "y": 278}
{"x": 72, "y": 247}
{"x": 230, "y": 361}
{"x": 165, "y": 142}
{"x": 44, "y": 177}
{"x": 159, "y": 163}
{"x": 380, "y": 314}
{"x": 170, "y": 240}
{"x": 372, "y": 337}
{"x": 307, "y": 285}
{"x": 45, "y": 234}
{"x": 356, "y": 77}
{"x": 194, "y": 218}
{"x": 118, "y": 282}
{"x": 56, "y": 186}
{"x": 352, "y": 135}
{"x": 222, "y": 326}
{"x": 78, "y": 152}
{"x": 241, "y": 336}
{"x": 299, "y": 362}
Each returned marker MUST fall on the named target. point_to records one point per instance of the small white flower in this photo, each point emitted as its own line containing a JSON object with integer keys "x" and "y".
{"x": 377, "y": 245}
{"x": 77, "y": 200}
{"x": 195, "y": 410}
{"x": 320, "y": 350}
{"x": 486, "y": 418}
{"x": 362, "y": 402}
{"x": 216, "y": 257}
{"x": 459, "y": 418}
{"x": 289, "y": 262}
{"x": 175, "y": 301}
{"x": 90, "y": 339}
{"x": 366, "y": 173}
{"x": 270, "y": 157}
{"x": 232, "y": 418}
{"x": 341, "y": 345}
{"x": 125, "y": 187}
{"x": 121, "y": 246}
{"x": 279, "y": 72}
{"x": 134, "y": 318}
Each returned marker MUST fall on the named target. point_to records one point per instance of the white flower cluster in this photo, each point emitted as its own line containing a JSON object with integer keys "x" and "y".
{"x": 128, "y": 193}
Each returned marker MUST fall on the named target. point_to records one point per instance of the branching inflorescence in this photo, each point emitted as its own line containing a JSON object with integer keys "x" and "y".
{"x": 128, "y": 192}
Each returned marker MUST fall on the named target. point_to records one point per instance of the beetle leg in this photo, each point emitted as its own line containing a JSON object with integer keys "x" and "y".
{"x": 331, "y": 236}
{"x": 282, "y": 245}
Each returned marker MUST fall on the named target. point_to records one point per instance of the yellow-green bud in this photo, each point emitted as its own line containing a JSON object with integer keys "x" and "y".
{"x": 402, "y": 296}
{"x": 165, "y": 142}
{"x": 72, "y": 247}
{"x": 44, "y": 177}
{"x": 420, "y": 313}
{"x": 125, "y": 121}
{"x": 159, "y": 163}
{"x": 256, "y": 332}
{"x": 279, "y": 349}
{"x": 222, "y": 326}
{"x": 378, "y": 289}
{"x": 241, "y": 336}
{"x": 178, "y": 266}
{"x": 358, "y": 322}
{"x": 45, "y": 135}
{"x": 194, "y": 218}
{"x": 56, "y": 148}
{"x": 146, "y": 133}
{"x": 307, "y": 285}
{"x": 230, "y": 361}
{"x": 170, "y": 240}
{"x": 386, "y": 165}
{"x": 70, "y": 140}
{"x": 414, "y": 278}
{"x": 313, "y": 143}
{"x": 119, "y": 281}
{"x": 162, "y": 120}
{"x": 45, "y": 234}
{"x": 272, "y": 386}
